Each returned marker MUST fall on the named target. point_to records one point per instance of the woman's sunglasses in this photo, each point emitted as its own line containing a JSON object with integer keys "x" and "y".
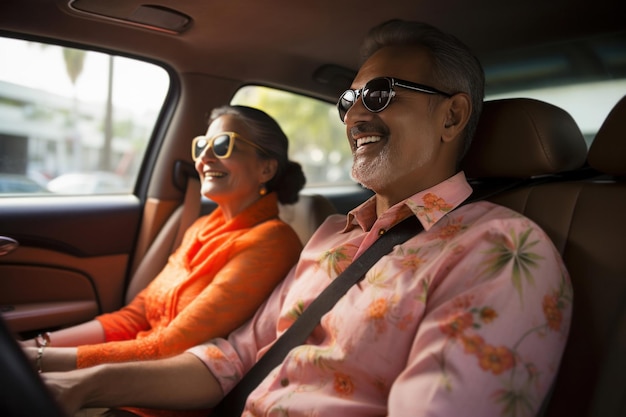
{"x": 377, "y": 94}
{"x": 221, "y": 144}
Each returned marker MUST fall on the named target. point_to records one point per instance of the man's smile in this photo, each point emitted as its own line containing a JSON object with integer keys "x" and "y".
{"x": 366, "y": 139}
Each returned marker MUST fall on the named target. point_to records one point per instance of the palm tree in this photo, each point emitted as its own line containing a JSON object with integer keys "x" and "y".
{"x": 74, "y": 63}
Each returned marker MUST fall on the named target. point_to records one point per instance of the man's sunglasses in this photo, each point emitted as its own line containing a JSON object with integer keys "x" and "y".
{"x": 221, "y": 144}
{"x": 377, "y": 94}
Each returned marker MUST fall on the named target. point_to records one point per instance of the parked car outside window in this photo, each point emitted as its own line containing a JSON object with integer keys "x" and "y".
{"x": 66, "y": 110}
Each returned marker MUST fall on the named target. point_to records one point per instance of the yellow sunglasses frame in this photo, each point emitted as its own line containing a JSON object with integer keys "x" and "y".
{"x": 231, "y": 144}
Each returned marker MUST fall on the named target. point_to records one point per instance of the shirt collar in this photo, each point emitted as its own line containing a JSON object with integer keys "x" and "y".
{"x": 429, "y": 205}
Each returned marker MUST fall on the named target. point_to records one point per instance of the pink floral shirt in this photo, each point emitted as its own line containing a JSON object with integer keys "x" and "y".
{"x": 468, "y": 318}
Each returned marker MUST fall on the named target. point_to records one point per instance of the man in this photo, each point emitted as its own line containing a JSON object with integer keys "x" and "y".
{"x": 469, "y": 317}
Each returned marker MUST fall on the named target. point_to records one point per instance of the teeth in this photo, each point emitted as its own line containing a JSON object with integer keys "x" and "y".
{"x": 367, "y": 139}
{"x": 214, "y": 174}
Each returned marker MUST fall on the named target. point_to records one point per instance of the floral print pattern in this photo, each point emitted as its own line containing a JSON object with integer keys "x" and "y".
{"x": 463, "y": 327}
{"x": 515, "y": 251}
{"x": 470, "y": 317}
{"x": 334, "y": 261}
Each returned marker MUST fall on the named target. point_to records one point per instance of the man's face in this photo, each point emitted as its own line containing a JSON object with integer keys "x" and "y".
{"x": 398, "y": 151}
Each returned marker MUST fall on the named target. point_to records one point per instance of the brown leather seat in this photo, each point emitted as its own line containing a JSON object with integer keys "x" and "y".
{"x": 524, "y": 138}
{"x": 583, "y": 213}
{"x": 306, "y": 215}
{"x": 608, "y": 156}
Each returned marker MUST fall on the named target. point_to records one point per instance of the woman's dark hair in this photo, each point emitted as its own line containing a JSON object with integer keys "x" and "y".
{"x": 289, "y": 178}
{"x": 455, "y": 68}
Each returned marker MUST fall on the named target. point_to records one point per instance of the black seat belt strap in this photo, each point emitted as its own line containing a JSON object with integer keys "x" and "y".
{"x": 233, "y": 403}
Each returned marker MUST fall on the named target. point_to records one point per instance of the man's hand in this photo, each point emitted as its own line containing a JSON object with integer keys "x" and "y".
{"x": 68, "y": 388}
{"x": 181, "y": 382}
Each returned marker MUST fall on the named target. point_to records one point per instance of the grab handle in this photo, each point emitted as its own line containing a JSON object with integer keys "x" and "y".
{"x": 7, "y": 245}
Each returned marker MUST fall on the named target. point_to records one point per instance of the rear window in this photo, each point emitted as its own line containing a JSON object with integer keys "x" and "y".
{"x": 588, "y": 103}
{"x": 585, "y": 77}
{"x": 74, "y": 121}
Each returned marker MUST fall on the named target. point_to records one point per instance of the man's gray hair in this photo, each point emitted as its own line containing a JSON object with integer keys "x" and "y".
{"x": 455, "y": 68}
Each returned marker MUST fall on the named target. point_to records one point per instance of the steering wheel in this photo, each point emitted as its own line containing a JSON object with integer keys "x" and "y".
{"x": 22, "y": 392}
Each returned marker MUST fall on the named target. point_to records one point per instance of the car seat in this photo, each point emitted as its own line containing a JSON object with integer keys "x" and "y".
{"x": 539, "y": 149}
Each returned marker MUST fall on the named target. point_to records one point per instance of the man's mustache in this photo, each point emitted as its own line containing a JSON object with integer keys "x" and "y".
{"x": 368, "y": 128}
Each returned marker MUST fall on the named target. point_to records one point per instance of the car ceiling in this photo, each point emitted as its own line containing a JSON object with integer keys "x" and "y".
{"x": 285, "y": 43}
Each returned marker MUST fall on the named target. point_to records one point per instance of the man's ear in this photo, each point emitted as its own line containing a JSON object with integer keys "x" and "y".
{"x": 459, "y": 108}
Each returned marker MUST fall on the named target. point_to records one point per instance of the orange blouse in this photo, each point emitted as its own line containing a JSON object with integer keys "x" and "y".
{"x": 214, "y": 282}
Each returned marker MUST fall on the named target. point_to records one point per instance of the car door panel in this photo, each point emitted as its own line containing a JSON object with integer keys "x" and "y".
{"x": 83, "y": 226}
{"x": 43, "y": 296}
{"x": 72, "y": 260}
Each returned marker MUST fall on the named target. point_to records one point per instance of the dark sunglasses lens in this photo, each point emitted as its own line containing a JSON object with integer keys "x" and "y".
{"x": 345, "y": 102}
{"x": 199, "y": 148}
{"x": 377, "y": 94}
{"x": 220, "y": 145}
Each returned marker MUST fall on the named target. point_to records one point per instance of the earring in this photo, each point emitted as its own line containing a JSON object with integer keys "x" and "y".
{"x": 262, "y": 189}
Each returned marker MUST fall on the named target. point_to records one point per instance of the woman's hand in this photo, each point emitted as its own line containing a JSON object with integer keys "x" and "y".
{"x": 27, "y": 343}
{"x": 51, "y": 359}
{"x": 31, "y": 354}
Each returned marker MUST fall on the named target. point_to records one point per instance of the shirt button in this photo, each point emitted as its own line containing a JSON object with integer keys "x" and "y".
{"x": 284, "y": 382}
{"x": 381, "y": 232}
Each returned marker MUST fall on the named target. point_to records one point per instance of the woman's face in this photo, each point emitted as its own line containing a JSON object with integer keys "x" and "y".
{"x": 234, "y": 182}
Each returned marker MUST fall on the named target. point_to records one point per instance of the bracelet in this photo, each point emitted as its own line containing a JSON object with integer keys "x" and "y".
{"x": 39, "y": 358}
{"x": 43, "y": 339}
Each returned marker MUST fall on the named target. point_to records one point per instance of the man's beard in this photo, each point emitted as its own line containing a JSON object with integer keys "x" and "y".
{"x": 373, "y": 174}
{"x": 387, "y": 168}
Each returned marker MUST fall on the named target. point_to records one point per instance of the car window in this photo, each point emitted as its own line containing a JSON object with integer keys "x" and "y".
{"x": 317, "y": 138}
{"x": 588, "y": 103}
{"x": 74, "y": 121}
{"x": 585, "y": 77}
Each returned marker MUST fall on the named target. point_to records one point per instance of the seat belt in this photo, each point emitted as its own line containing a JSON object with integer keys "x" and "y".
{"x": 162, "y": 247}
{"x": 233, "y": 403}
{"x": 190, "y": 209}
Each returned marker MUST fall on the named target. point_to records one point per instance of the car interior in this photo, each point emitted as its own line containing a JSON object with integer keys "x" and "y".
{"x": 551, "y": 144}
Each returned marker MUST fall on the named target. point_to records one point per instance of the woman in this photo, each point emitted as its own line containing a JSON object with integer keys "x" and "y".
{"x": 225, "y": 267}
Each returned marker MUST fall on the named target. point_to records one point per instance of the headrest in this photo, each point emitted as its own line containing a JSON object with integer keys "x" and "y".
{"x": 607, "y": 153}
{"x": 524, "y": 138}
{"x": 306, "y": 215}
